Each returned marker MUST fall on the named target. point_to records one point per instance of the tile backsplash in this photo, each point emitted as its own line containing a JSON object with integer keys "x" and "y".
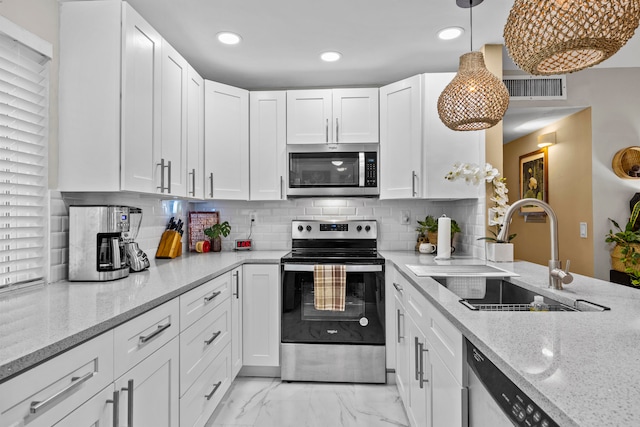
{"x": 272, "y": 227}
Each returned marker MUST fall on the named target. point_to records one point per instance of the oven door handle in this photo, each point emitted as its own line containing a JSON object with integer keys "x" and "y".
{"x": 350, "y": 268}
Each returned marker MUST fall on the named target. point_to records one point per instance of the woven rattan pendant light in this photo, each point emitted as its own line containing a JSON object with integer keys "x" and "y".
{"x": 545, "y": 37}
{"x": 475, "y": 99}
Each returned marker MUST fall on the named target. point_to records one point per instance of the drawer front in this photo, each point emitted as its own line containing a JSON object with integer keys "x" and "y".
{"x": 197, "y": 405}
{"x": 98, "y": 411}
{"x": 446, "y": 340}
{"x": 45, "y": 394}
{"x": 143, "y": 335}
{"x": 202, "y": 342}
{"x": 201, "y": 300}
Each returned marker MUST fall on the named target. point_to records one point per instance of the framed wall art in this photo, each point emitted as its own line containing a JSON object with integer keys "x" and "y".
{"x": 534, "y": 180}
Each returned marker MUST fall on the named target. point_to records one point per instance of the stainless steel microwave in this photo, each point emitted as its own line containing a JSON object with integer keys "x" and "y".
{"x": 325, "y": 170}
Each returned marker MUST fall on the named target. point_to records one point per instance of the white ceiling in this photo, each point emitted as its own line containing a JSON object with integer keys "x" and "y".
{"x": 381, "y": 41}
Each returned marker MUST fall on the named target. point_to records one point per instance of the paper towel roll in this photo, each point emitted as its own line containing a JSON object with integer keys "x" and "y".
{"x": 444, "y": 237}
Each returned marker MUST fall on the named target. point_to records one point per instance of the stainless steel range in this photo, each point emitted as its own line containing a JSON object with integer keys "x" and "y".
{"x": 344, "y": 343}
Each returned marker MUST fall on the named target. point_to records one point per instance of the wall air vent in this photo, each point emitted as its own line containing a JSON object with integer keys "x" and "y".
{"x": 536, "y": 88}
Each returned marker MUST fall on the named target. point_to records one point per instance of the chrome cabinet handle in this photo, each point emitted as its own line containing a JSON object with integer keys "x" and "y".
{"x": 41, "y": 405}
{"x": 415, "y": 349}
{"x": 152, "y": 335}
{"x": 414, "y": 193}
{"x": 281, "y": 188}
{"x": 129, "y": 389}
{"x": 213, "y": 338}
{"x": 337, "y": 131}
{"x": 326, "y": 131}
{"x": 116, "y": 408}
{"x": 399, "y": 333}
{"x": 193, "y": 182}
{"x": 421, "y": 380}
{"x": 169, "y": 176}
{"x": 237, "y": 276}
{"x": 398, "y": 287}
{"x": 212, "y": 296}
{"x": 162, "y": 168}
{"x": 215, "y": 387}
{"x": 211, "y": 181}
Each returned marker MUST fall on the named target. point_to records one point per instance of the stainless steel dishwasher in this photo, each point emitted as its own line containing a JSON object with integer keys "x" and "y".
{"x": 494, "y": 400}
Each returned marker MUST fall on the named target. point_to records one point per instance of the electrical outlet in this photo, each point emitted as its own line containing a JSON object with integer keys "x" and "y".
{"x": 405, "y": 217}
{"x": 583, "y": 230}
{"x": 253, "y": 216}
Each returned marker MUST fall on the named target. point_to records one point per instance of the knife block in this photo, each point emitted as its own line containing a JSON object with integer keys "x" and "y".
{"x": 170, "y": 245}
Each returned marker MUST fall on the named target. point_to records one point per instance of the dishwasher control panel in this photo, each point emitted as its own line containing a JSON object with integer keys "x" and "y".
{"x": 516, "y": 405}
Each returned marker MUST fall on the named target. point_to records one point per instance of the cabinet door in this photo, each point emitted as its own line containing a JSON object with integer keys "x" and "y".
{"x": 96, "y": 412}
{"x": 140, "y": 113}
{"x": 195, "y": 135}
{"x": 237, "y": 296}
{"x": 447, "y": 395}
{"x": 261, "y": 315}
{"x": 444, "y": 147}
{"x": 172, "y": 179}
{"x": 418, "y": 405}
{"x": 226, "y": 146}
{"x": 402, "y": 350}
{"x": 355, "y": 115}
{"x": 401, "y": 139}
{"x": 154, "y": 398}
{"x": 309, "y": 116}
{"x": 268, "y": 145}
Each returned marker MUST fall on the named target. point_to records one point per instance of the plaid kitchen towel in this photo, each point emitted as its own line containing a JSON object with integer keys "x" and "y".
{"x": 329, "y": 287}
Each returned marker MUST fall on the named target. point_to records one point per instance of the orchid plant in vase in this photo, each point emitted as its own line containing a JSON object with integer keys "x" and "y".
{"x": 475, "y": 174}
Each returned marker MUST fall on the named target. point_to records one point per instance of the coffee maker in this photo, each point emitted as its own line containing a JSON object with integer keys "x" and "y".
{"x": 136, "y": 257}
{"x": 96, "y": 243}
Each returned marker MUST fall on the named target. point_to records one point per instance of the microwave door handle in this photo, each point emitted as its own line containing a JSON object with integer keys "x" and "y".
{"x": 361, "y": 169}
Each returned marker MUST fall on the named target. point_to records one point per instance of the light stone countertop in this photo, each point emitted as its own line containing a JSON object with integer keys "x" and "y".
{"x": 593, "y": 375}
{"x": 38, "y": 324}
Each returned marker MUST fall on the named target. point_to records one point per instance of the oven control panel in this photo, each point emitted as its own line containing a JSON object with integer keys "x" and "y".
{"x": 334, "y": 229}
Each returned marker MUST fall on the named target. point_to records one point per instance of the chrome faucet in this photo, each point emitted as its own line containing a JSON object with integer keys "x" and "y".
{"x": 557, "y": 276}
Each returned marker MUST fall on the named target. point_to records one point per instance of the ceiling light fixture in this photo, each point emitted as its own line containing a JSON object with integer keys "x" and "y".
{"x": 546, "y": 37}
{"x": 450, "y": 33}
{"x": 227, "y": 37}
{"x": 475, "y": 99}
{"x": 547, "y": 139}
{"x": 330, "y": 56}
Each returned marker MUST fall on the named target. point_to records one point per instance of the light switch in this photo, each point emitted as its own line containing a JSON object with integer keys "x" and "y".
{"x": 405, "y": 217}
{"x": 583, "y": 230}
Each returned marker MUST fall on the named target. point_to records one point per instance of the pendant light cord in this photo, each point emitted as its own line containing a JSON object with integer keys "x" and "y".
{"x": 471, "y": 22}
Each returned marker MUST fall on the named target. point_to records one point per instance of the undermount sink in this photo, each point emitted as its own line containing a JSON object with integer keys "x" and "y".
{"x": 501, "y": 295}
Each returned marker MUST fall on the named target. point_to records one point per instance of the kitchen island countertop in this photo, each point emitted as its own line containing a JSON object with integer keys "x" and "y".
{"x": 580, "y": 367}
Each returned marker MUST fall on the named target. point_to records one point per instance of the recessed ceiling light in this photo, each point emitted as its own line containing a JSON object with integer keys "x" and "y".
{"x": 229, "y": 38}
{"x": 330, "y": 56}
{"x": 450, "y": 33}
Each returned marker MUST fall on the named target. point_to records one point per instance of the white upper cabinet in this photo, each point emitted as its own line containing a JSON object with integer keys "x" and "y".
{"x": 444, "y": 147}
{"x": 267, "y": 145}
{"x": 173, "y": 151}
{"x": 110, "y": 66}
{"x": 332, "y": 116}
{"x": 195, "y": 135}
{"x": 401, "y": 139}
{"x": 226, "y": 136}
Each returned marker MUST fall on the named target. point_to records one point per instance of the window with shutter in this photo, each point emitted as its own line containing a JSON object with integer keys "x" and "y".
{"x": 24, "y": 130}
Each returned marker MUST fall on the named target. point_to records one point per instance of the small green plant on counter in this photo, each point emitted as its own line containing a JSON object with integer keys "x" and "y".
{"x": 430, "y": 225}
{"x": 495, "y": 233}
{"x": 627, "y": 244}
{"x": 216, "y": 230}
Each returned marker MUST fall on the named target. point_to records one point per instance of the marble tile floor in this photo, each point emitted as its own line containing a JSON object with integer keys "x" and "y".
{"x": 268, "y": 402}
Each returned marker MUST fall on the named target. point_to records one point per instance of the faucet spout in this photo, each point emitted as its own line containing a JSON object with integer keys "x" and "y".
{"x": 557, "y": 276}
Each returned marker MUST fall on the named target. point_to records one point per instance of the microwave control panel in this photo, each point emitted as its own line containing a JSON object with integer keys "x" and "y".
{"x": 370, "y": 169}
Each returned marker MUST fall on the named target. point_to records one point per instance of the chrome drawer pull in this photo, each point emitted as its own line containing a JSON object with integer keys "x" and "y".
{"x": 129, "y": 389}
{"x": 398, "y": 287}
{"x": 210, "y": 340}
{"x": 75, "y": 383}
{"x": 421, "y": 380}
{"x": 400, "y": 336}
{"x": 215, "y": 387}
{"x": 212, "y": 296}
{"x": 152, "y": 335}
{"x": 116, "y": 408}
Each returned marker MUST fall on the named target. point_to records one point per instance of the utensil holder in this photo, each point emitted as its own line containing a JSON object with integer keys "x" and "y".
{"x": 170, "y": 245}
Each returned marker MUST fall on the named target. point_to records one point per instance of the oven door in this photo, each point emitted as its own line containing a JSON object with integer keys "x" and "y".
{"x": 362, "y": 321}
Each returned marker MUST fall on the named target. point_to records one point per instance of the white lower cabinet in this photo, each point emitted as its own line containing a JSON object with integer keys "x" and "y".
{"x": 261, "y": 315}
{"x": 429, "y": 360}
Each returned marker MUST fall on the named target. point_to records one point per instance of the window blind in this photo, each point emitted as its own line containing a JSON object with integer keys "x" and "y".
{"x": 24, "y": 103}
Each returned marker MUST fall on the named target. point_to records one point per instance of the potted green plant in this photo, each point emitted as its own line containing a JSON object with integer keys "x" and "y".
{"x": 498, "y": 250}
{"x": 215, "y": 234}
{"x": 428, "y": 230}
{"x": 625, "y": 256}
